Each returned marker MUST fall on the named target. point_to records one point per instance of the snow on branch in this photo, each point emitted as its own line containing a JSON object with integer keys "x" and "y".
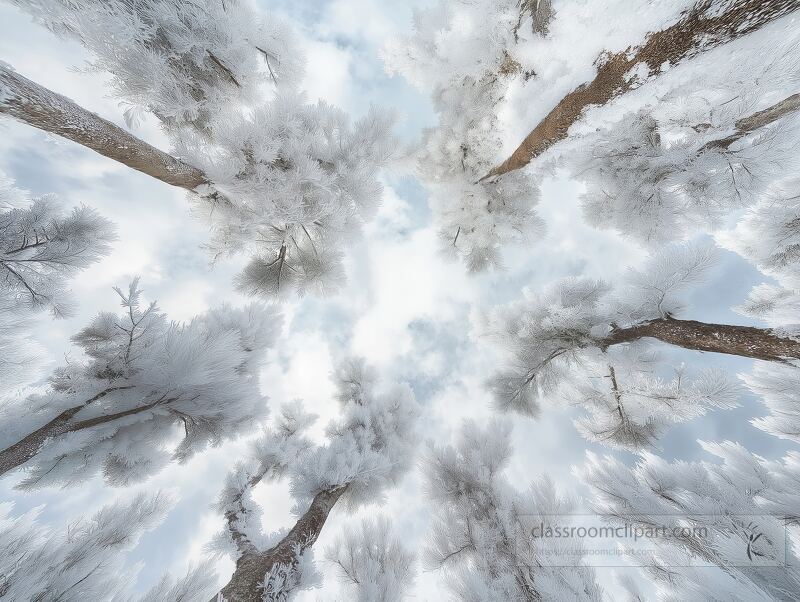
{"x": 465, "y": 55}
{"x": 731, "y": 514}
{"x": 145, "y": 392}
{"x": 41, "y": 248}
{"x": 481, "y": 536}
{"x": 373, "y": 562}
{"x": 287, "y": 182}
{"x": 368, "y": 449}
{"x": 588, "y": 343}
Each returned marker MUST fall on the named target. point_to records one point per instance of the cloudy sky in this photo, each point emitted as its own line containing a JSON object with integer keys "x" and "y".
{"x": 408, "y": 310}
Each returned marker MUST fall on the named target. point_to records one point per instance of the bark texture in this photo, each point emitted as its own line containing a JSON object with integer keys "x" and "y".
{"x": 26, "y": 448}
{"x": 744, "y": 341}
{"x": 35, "y": 105}
{"x": 706, "y": 25}
{"x": 541, "y": 13}
{"x": 252, "y": 566}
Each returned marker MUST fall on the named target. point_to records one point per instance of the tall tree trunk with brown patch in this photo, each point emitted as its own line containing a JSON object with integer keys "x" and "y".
{"x": 35, "y": 105}
{"x": 744, "y": 341}
{"x": 246, "y": 584}
{"x": 699, "y": 30}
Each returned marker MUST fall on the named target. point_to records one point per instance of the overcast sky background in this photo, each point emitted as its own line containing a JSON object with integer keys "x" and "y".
{"x": 406, "y": 309}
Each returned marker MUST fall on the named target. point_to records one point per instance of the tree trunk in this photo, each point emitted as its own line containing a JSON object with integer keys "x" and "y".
{"x": 744, "y": 341}
{"x": 247, "y": 581}
{"x": 35, "y": 105}
{"x": 541, "y": 12}
{"x": 758, "y": 120}
{"x": 699, "y": 30}
{"x": 26, "y": 448}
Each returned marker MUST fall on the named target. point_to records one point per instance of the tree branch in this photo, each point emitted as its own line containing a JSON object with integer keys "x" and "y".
{"x": 697, "y": 31}
{"x": 35, "y": 105}
{"x": 744, "y": 341}
{"x": 246, "y": 584}
{"x": 757, "y": 120}
{"x": 106, "y": 418}
{"x": 26, "y": 448}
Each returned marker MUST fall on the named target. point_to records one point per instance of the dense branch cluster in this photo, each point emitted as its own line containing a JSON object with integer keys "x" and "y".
{"x": 86, "y": 560}
{"x": 367, "y": 451}
{"x": 664, "y": 173}
{"x": 41, "y": 246}
{"x": 285, "y": 181}
{"x": 116, "y": 411}
{"x": 464, "y": 53}
{"x": 482, "y": 531}
{"x": 186, "y": 62}
{"x": 373, "y": 562}
{"x": 743, "y": 505}
{"x": 304, "y": 181}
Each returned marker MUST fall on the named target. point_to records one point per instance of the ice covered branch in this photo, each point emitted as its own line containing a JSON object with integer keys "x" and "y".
{"x": 367, "y": 451}
{"x": 707, "y": 25}
{"x": 142, "y": 377}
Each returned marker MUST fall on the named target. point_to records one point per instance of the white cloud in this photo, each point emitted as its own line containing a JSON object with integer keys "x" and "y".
{"x": 327, "y": 73}
{"x": 301, "y": 369}
{"x": 410, "y": 281}
{"x": 366, "y": 20}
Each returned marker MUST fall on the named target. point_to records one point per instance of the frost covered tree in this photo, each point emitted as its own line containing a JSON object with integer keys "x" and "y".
{"x": 596, "y": 340}
{"x": 41, "y": 246}
{"x": 739, "y": 515}
{"x": 464, "y": 52}
{"x": 690, "y": 162}
{"x": 778, "y": 386}
{"x": 706, "y": 25}
{"x": 710, "y": 140}
{"x": 769, "y": 234}
{"x": 373, "y": 562}
{"x": 283, "y": 180}
{"x": 482, "y": 534}
{"x": 629, "y": 404}
{"x": 368, "y": 449}
{"x": 653, "y": 174}
{"x": 778, "y": 306}
{"x": 86, "y": 560}
{"x": 142, "y": 384}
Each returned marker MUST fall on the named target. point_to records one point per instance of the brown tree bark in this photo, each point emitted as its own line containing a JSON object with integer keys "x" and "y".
{"x": 744, "y": 341}
{"x": 26, "y": 448}
{"x": 749, "y": 124}
{"x": 35, "y": 105}
{"x": 699, "y": 30}
{"x": 252, "y": 566}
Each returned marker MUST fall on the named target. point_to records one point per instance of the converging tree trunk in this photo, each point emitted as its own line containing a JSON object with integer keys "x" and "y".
{"x": 41, "y": 108}
{"x": 248, "y": 580}
{"x": 26, "y": 448}
{"x": 744, "y": 341}
{"x": 701, "y": 29}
